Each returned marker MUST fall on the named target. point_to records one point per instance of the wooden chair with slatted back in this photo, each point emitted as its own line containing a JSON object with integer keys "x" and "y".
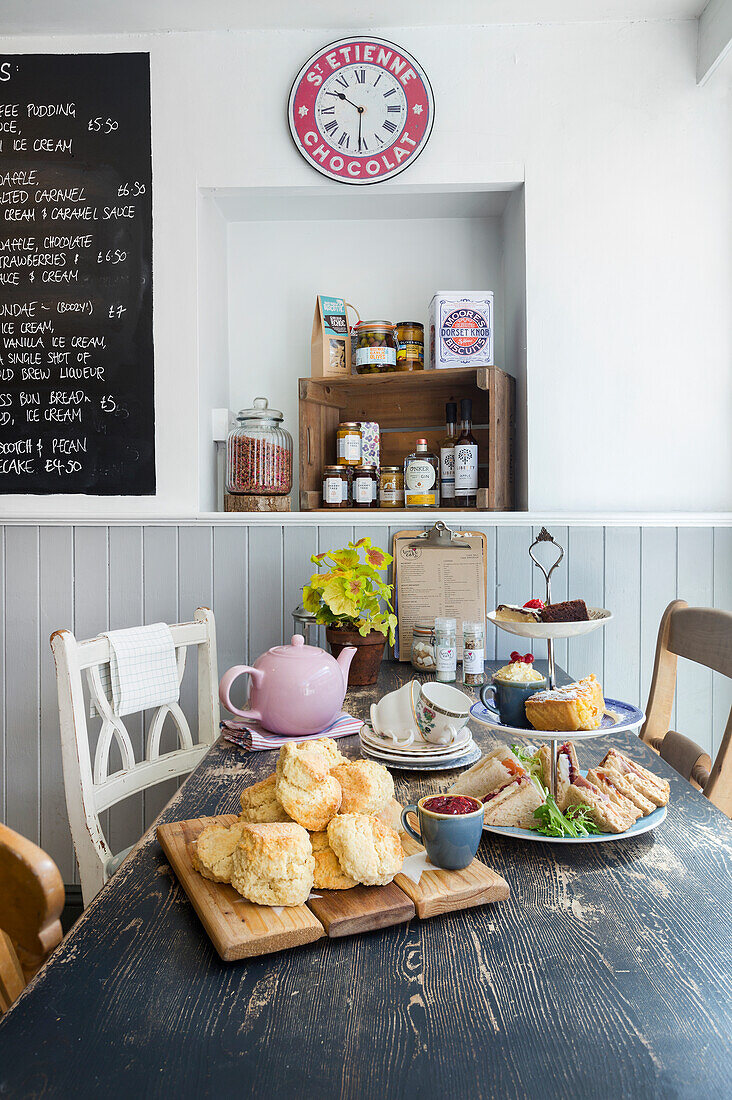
{"x": 702, "y": 635}
{"x": 31, "y": 900}
{"x": 90, "y": 789}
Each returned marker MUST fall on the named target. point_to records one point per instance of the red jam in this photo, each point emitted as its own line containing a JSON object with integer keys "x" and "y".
{"x": 451, "y": 804}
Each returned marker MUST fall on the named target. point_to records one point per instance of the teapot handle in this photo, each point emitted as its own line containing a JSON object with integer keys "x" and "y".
{"x": 225, "y": 687}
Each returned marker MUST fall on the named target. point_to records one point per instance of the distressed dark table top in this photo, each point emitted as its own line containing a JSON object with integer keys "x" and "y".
{"x": 607, "y": 974}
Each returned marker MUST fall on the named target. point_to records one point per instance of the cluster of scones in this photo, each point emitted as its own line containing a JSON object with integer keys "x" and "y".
{"x": 321, "y": 821}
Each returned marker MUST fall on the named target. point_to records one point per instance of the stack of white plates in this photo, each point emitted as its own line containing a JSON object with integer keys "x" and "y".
{"x": 420, "y": 755}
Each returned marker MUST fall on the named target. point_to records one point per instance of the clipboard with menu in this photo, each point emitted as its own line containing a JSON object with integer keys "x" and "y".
{"x": 438, "y": 572}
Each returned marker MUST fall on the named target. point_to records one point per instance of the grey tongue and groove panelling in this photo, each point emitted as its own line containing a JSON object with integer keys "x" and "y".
{"x": 91, "y": 578}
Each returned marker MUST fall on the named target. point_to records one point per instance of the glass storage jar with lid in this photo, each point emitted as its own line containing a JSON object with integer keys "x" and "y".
{"x": 259, "y": 452}
{"x": 423, "y": 646}
{"x": 375, "y": 347}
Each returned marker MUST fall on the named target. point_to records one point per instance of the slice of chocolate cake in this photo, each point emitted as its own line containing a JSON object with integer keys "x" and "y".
{"x": 570, "y": 611}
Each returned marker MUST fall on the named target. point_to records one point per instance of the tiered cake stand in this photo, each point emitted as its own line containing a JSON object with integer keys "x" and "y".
{"x": 618, "y": 715}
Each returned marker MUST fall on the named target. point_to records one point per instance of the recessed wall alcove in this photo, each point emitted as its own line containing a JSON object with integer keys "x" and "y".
{"x": 265, "y": 253}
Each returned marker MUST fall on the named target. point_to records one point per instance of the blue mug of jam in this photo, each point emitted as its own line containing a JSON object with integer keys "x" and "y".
{"x": 450, "y": 828}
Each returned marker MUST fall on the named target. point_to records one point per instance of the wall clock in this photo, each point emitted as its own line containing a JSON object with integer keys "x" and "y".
{"x": 361, "y": 110}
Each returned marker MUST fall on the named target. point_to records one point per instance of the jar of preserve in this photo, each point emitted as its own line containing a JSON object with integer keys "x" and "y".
{"x": 410, "y": 345}
{"x": 348, "y": 443}
{"x": 375, "y": 347}
{"x": 423, "y": 646}
{"x": 259, "y": 452}
{"x": 391, "y": 487}
{"x": 364, "y": 487}
{"x": 335, "y": 487}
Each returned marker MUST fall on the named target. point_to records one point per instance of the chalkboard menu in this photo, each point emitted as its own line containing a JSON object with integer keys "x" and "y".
{"x": 77, "y": 411}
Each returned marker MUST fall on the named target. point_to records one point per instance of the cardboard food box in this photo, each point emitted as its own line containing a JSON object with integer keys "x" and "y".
{"x": 461, "y": 329}
{"x": 330, "y": 347}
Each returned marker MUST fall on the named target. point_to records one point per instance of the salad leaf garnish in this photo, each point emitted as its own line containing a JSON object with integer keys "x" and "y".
{"x": 530, "y": 760}
{"x": 576, "y": 822}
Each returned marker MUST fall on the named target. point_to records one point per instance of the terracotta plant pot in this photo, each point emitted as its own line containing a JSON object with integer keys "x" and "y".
{"x": 367, "y": 658}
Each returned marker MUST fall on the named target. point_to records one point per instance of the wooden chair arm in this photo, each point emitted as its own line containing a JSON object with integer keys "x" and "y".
{"x": 685, "y": 757}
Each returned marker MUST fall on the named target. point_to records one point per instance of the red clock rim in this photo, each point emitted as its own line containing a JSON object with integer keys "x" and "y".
{"x": 430, "y": 100}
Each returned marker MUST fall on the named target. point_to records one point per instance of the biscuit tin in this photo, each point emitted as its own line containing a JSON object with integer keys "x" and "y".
{"x": 461, "y": 329}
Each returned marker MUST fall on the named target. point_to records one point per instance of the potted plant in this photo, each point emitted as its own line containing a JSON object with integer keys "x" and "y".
{"x": 354, "y": 604}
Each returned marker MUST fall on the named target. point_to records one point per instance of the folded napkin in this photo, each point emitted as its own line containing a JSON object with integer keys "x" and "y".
{"x": 252, "y": 737}
{"x": 142, "y": 670}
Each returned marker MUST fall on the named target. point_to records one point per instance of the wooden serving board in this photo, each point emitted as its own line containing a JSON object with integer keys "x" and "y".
{"x": 239, "y": 929}
{"x": 346, "y": 912}
{"x": 443, "y": 891}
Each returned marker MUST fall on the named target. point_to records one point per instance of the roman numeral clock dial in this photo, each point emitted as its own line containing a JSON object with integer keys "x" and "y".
{"x": 361, "y": 110}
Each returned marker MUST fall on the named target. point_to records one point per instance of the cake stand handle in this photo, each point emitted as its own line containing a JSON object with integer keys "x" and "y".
{"x": 544, "y": 536}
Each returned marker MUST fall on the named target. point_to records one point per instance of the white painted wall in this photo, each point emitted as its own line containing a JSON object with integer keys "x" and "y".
{"x": 628, "y": 204}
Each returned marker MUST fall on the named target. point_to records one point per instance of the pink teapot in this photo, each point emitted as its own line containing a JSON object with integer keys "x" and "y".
{"x": 295, "y": 689}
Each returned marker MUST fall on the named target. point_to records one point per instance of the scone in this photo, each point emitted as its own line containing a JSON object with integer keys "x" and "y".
{"x": 367, "y": 786}
{"x": 259, "y": 803}
{"x": 328, "y": 874}
{"x": 212, "y": 851}
{"x": 391, "y": 814}
{"x": 273, "y": 864}
{"x": 577, "y": 706}
{"x": 367, "y": 849}
{"x": 327, "y": 747}
{"x": 304, "y": 786}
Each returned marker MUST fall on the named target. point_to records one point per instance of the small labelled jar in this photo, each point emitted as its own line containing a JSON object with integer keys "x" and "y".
{"x": 423, "y": 646}
{"x": 410, "y": 346}
{"x": 335, "y": 487}
{"x": 364, "y": 487}
{"x": 473, "y": 653}
{"x": 348, "y": 443}
{"x": 445, "y": 650}
{"x": 259, "y": 452}
{"x": 375, "y": 344}
{"x": 391, "y": 487}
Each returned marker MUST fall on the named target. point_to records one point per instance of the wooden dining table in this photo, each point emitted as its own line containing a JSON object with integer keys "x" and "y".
{"x": 606, "y": 974}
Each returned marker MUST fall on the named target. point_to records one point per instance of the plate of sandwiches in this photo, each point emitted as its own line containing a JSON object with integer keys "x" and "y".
{"x": 579, "y": 708}
{"x": 616, "y": 799}
{"x": 535, "y": 619}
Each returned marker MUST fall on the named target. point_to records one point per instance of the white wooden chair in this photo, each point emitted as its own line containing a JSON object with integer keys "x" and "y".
{"x": 91, "y": 789}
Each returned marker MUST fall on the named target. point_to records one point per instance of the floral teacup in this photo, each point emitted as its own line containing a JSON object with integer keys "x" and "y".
{"x": 440, "y": 711}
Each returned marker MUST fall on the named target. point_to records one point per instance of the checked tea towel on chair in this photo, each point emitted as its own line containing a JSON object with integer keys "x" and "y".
{"x": 142, "y": 670}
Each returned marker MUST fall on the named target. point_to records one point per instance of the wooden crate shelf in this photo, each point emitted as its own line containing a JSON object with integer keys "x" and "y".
{"x": 407, "y": 406}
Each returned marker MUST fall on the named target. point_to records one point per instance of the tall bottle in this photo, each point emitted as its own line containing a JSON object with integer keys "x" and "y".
{"x": 447, "y": 457}
{"x": 421, "y": 478}
{"x": 466, "y": 459}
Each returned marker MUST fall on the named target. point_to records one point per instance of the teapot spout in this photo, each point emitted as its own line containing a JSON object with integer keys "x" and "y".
{"x": 344, "y": 659}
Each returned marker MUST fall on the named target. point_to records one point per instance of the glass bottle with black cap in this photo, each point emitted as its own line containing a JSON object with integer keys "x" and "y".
{"x": 466, "y": 459}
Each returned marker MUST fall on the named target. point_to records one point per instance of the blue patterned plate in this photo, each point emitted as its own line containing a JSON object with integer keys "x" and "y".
{"x": 618, "y": 716}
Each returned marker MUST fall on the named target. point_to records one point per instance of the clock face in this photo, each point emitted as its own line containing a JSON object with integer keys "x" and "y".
{"x": 361, "y": 110}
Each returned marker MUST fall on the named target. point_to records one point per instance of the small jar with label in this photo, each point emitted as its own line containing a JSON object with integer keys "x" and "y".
{"x": 410, "y": 345}
{"x": 423, "y": 646}
{"x": 364, "y": 487}
{"x": 445, "y": 650}
{"x": 335, "y": 487}
{"x": 391, "y": 487}
{"x": 375, "y": 347}
{"x": 473, "y": 653}
{"x": 348, "y": 444}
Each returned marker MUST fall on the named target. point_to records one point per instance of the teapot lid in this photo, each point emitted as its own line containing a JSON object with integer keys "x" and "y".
{"x": 295, "y": 648}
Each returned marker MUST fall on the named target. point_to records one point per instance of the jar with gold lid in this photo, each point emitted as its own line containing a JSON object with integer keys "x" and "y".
{"x": 410, "y": 346}
{"x": 335, "y": 486}
{"x": 391, "y": 487}
{"x": 364, "y": 487}
{"x": 348, "y": 443}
